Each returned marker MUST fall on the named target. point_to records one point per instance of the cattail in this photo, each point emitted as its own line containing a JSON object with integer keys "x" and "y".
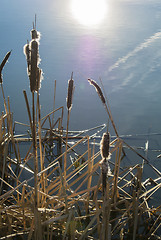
{"x": 104, "y": 145}
{"x": 104, "y": 149}
{"x": 35, "y": 34}
{"x": 105, "y": 169}
{"x": 70, "y": 92}
{"x": 27, "y": 53}
{"x": 38, "y": 79}
{"x": 31, "y": 51}
{"x": 34, "y": 60}
{"x": 98, "y": 89}
{"x": 2, "y": 65}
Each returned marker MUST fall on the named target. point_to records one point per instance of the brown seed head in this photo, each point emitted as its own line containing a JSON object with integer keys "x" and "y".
{"x": 34, "y": 60}
{"x": 35, "y": 34}
{"x": 104, "y": 145}
{"x": 70, "y": 93}
{"x": 98, "y": 89}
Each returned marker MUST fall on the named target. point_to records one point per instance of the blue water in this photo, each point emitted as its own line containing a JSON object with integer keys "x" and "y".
{"x": 125, "y": 51}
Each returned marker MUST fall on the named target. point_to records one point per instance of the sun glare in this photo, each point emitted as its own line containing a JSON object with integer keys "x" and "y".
{"x": 89, "y": 12}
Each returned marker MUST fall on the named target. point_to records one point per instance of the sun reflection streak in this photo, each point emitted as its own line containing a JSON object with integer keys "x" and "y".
{"x": 89, "y": 12}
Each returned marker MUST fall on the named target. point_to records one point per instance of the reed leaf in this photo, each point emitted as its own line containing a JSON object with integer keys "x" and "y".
{"x": 3, "y": 64}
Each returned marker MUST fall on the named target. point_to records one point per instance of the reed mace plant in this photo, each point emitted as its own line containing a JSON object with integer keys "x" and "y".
{"x": 69, "y": 107}
{"x": 100, "y": 94}
{"x": 104, "y": 149}
{"x": 31, "y": 51}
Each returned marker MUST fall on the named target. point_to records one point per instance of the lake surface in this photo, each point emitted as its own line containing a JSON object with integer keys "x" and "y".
{"x": 124, "y": 51}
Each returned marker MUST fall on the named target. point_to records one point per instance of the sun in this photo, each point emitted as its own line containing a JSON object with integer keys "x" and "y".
{"x": 89, "y": 12}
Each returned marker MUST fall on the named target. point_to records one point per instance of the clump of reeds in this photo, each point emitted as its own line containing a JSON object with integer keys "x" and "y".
{"x": 3, "y": 64}
{"x": 31, "y": 51}
{"x": 104, "y": 150}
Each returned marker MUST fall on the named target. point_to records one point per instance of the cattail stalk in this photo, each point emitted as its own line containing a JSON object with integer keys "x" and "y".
{"x": 69, "y": 107}
{"x": 100, "y": 94}
{"x": 104, "y": 149}
{"x": 31, "y": 51}
{"x": 54, "y": 103}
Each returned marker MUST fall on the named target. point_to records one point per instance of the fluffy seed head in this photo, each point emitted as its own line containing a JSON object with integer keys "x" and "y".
{"x": 27, "y": 53}
{"x": 104, "y": 145}
{"x": 98, "y": 89}
{"x": 31, "y": 51}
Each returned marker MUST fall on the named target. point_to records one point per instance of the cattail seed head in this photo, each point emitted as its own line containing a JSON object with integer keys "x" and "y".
{"x": 70, "y": 93}
{"x": 104, "y": 145}
{"x": 31, "y": 51}
{"x": 34, "y": 60}
{"x": 39, "y": 78}
{"x": 98, "y": 89}
{"x": 35, "y": 34}
{"x": 27, "y": 53}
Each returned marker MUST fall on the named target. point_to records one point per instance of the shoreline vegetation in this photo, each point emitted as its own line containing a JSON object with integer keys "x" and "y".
{"x": 62, "y": 186}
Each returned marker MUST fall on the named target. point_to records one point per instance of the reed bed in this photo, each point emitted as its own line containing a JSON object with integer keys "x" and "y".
{"x": 64, "y": 190}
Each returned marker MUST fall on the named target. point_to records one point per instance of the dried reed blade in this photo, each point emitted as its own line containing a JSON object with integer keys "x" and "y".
{"x": 85, "y": 232}
{"x": 115, "y": 193}
{"x": 5, "y": 104}
{"x": 141, "y": 156}
{"x": 9, "y": 120}
{"x": 54, "y": 102}
{"x": 67, "y": 227}
{"x": 3, "y": 64}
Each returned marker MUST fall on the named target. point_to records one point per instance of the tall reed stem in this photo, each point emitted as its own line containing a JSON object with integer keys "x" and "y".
{"x": 35, "y": 170}
{"x": 66, "y": 145}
